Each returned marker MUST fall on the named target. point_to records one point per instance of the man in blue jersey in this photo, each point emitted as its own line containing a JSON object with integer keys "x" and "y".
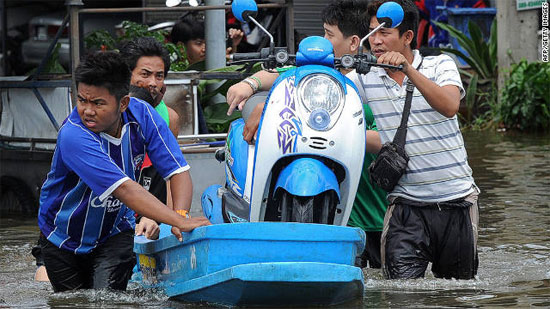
{"x": 87, "y": 202}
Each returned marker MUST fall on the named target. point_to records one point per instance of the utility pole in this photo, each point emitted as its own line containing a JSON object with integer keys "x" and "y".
{"x": 214, "y": 33}
{"x": 72, "y": 9}
{"x": 516, "y": 36}
{"x": 4, "y": 35}
{"x": 215, "y": 36}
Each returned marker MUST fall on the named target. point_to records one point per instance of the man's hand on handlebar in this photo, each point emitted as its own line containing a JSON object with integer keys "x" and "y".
{"x": 395, "y": 59}
{"x": 237, "y": 96}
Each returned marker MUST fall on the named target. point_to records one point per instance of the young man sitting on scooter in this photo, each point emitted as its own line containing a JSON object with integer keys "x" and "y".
{"x": 433, "y": 215}
{"x": 345, "y": 22}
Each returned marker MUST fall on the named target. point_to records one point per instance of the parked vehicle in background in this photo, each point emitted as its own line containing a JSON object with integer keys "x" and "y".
{"x": 42, "y": 31}
{"x": 43, "y": 28}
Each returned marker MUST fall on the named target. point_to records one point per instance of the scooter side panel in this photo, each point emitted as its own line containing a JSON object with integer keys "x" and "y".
{"x": 236, "y": 147}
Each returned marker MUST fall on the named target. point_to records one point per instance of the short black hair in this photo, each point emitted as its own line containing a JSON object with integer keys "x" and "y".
{"x": 105, "y": 69}
{"x": 144, "y": 46}
{"x": 190, "y": 27}
{"x": 142, "y": 94}
{"x": 350, "y": 16}
{"x": 410, "y": 19}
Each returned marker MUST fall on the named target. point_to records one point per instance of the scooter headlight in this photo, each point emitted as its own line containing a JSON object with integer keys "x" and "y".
{"x": 320, "y": 91}
{"x": 322, "y": 96}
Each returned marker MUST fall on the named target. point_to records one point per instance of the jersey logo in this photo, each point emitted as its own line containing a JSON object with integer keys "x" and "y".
{"x": 138, "y": 160}
{"x": 111, "y": 203}
{"x": 146, "y": 183}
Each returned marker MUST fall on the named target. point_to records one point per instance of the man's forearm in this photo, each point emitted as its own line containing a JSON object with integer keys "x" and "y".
{"x": 373, "y": 142}
{"x": 144, "y": 203}
{"x": 267, "y": 79}
{"x": 181, "y": 188}
{"x": 445, "y": 100}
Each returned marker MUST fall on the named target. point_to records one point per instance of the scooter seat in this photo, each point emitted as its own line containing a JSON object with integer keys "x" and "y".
{"x": 255, "y": 99}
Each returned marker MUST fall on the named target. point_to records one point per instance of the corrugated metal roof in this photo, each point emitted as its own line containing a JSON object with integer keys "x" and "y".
{"x": 307, "y": 17}
{"x": 151, "y": 18}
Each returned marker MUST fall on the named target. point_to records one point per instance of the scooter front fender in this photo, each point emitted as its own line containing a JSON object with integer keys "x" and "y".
{"x": 307, "y": 177}
{"x": 212, "y": 204}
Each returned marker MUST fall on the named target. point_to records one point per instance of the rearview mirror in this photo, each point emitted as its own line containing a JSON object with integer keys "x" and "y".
{"x": 243, "y": 9}
{"x": 391, "y": 14}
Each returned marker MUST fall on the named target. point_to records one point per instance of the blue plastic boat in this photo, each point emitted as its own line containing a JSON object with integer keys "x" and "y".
{"x": 262, "y": 263}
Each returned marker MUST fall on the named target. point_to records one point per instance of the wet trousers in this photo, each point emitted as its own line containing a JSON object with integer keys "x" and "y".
{"x": 444, "y": 234}
{"x": 371, "y": 254}
{"x": 107, "y": 266}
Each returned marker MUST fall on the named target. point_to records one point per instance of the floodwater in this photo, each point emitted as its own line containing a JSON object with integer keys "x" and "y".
{"x": 513, "y": 173}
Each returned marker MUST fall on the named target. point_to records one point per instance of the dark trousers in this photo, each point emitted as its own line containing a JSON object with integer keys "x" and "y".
{"x": 153, "y": 182}
{"x": 107, "y": 266}
{"x": 446, "y": 235}
{"x": 371, "y": 254}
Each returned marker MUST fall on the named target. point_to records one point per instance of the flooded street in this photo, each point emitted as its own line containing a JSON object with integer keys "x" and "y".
{"x": 513, "y": 173}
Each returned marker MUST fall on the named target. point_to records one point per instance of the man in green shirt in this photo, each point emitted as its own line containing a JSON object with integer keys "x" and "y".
{"x": 369, "y": 207}
{"x": 149, "y": 63}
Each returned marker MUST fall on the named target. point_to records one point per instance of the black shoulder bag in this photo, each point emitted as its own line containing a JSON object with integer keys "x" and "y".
{"x": 392, "y": 159}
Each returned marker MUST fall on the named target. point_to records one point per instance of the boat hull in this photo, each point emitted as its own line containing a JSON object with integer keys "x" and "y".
{"x": 277, "y": 284}
{"x": 261, "y": 263}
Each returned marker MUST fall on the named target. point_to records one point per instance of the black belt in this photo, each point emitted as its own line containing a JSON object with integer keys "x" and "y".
{"x": 456, "y": 203}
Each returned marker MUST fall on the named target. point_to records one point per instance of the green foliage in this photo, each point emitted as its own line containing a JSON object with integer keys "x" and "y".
{"x": 526, "y": 97}
{"x": 225, "y": 84}
{"x": 134, "y": 30}
{"x": 471, "y": 96}
{"x": 483, "y": 55}
{"x": 178, "y": 58}
{"x": 481, "y": 102}
{"x": 216, "y": 117}
{"x": 102, "y": 39}
{"x": 482, "y": 94}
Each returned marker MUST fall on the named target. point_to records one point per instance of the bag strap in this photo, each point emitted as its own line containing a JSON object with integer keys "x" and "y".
{"x": 401, "y": 134}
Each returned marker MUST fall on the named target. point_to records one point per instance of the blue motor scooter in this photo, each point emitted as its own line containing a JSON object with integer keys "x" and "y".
{"x": 307, "y": 159}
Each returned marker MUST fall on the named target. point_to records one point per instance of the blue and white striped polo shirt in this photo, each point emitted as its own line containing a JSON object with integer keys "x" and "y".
{"x": 77, "y": 211}
{"x": 438, "y": 168}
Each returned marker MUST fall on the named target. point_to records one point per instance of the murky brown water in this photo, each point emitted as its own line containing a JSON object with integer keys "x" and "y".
{"x": 513, "y": 172}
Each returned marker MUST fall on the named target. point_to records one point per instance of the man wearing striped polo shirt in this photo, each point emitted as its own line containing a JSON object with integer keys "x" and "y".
{"x": 433, "y": 215}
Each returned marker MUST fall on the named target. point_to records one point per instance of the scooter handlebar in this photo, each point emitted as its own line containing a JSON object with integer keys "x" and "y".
{"x": 271, "y": 57}
{"x": 362, "y": 63}
{"x": 244, "y": 56}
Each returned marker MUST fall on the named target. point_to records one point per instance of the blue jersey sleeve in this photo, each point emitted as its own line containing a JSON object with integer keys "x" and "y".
{"x": 162, "y": 146}
{"x": 82, "y": 152}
